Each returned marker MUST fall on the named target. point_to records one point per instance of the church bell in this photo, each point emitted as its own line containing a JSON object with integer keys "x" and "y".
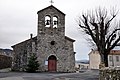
{"x": 47, "y": 22}
{"x": 55, "y": 22}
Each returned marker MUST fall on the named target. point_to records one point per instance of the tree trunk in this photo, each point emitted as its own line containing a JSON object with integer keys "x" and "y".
{"x": 106, "y": 60}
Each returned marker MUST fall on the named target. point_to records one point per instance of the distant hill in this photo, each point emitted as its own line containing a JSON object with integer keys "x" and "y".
{"x": 82, "y": 61}
{"x": 6, "y": 51}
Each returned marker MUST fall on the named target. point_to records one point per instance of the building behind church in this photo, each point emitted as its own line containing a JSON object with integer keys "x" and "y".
{"x": 113, "y": 59}
{"x": 54, "y": 50}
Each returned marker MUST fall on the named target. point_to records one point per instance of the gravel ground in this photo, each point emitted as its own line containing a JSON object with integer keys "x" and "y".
{"x": 84, "y": 75}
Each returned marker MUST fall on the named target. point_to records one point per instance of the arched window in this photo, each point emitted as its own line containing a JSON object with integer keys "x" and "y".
{"x": 55, "y": 22}
{"x": 47, "y": 21}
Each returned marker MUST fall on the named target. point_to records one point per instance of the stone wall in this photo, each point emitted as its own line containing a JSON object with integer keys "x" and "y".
{"x": 21, "y": 53}
{"x": 5, "y": 61}
{"x": 110, "y": 73}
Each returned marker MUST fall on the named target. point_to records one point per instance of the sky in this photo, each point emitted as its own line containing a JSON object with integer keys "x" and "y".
{"x": 18, "y": 19}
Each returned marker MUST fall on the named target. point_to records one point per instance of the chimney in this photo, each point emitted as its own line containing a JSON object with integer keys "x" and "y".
{"x": 31, "y": 36}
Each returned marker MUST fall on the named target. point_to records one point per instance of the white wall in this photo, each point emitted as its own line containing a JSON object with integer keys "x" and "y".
{"x": 94, "y": 58}
{"x": 113, "y": 62}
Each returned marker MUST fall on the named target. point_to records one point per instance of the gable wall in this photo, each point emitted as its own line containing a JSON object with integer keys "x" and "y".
{"x": 20, "y": 56}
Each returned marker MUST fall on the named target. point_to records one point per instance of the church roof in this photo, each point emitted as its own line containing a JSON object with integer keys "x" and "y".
{"x": 51, "y": 6}
{"x": 69, "y": 39}
{"x": 34, "y": 39}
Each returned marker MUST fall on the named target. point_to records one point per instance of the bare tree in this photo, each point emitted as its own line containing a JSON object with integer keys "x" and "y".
{"x": 100, "y": 25}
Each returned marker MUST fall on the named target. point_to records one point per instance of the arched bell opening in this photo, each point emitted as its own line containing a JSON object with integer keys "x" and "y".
{"x": 47, "y": 21}
{"x": 55, "y": 22}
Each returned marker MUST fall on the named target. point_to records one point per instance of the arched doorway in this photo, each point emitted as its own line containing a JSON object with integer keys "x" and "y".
{"x": 52, "y": 63}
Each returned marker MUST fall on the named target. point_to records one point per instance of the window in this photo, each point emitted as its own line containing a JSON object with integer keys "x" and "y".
{"x": 52, "y": 43}
{"x": 110, "y": 58}
{"x": 47, "y": 21}
{"x": 117, "y": 58}
{"x": 55, "y": 22}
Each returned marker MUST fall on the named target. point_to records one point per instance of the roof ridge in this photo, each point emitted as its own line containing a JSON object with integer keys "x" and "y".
{"x": 49, "y": 7}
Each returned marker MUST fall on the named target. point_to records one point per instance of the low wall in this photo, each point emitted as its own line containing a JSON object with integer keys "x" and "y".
{"x": 5, "y": 61}
{"x": 110, "y": 73}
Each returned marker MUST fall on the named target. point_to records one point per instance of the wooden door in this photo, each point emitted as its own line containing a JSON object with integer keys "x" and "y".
{"x": 52, "y": 64}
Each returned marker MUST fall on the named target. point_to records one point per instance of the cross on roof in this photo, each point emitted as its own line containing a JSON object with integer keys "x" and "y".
{"x": 51, "y": 2}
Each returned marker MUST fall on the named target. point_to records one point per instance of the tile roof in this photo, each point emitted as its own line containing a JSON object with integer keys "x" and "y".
{"x": 115, "y": 52}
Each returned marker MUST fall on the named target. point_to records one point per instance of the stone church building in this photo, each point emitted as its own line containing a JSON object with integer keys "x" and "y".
{"x": 54, "y": 50}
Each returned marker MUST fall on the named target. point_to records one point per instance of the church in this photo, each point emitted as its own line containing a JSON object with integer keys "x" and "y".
{"x": 54, "y": 50}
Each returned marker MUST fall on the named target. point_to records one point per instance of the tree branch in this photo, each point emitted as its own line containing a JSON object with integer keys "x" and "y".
{"x": 88, "y": 27}
{"x": 114, "y": 44}
{"x": 108, "y": 39}
{"x": 107, "y": 25}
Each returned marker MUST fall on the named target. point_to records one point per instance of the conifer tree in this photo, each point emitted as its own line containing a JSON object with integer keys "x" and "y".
{"x": 33, "y": 64}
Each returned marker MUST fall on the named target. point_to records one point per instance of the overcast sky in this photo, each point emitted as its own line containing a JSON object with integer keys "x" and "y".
{"x": 18, "y": 18}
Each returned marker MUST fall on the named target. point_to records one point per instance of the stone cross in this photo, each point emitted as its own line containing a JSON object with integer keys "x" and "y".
{"x": 51, "y": 2}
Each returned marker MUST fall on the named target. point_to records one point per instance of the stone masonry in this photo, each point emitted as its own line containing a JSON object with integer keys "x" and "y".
{"x": 50, "y": 45}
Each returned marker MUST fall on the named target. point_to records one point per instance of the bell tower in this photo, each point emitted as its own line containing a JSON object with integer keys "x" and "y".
{"x": 51, "y": 21}
{"x": 51, "y": 34}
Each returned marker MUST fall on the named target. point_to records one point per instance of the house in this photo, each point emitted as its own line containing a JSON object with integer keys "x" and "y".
{"x": 54, "y": 50}
{"x": 113, "y": 59}
{"x": 94, "y": 59}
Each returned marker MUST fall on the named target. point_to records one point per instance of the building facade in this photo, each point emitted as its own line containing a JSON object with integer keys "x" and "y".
{"x": 113, "y": 59}
{"x": 54, "y": 50}
{"x": 94, "y": 60}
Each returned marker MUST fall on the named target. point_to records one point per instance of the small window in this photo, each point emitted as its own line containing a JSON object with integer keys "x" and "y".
{"x": 110, "y": 58}
{"x": 47, "y": 21}
{"x": 117, "y": 58}
{"x": 52, "y": 43}
{"x": 55, "y": 22}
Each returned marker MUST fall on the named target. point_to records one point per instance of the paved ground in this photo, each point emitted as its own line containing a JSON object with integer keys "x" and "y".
{"x": 84, "y": 75}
